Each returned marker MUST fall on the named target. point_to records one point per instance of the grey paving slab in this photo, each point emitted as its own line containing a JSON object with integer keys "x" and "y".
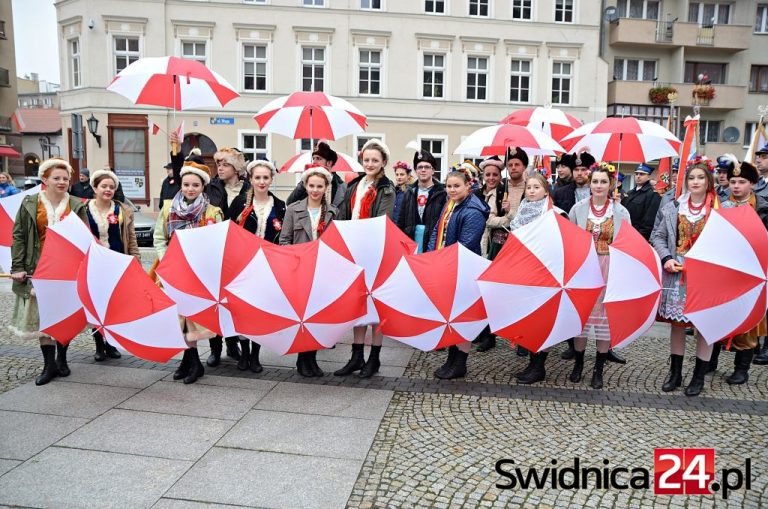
{"x": 198, "y": 400}
{"x": 388, "y": 356}
{"x": 115, "y": 376}
{"x": 172, "y": 503}
{"x": 6, "y": 465}
{"x": 267, "y": 479}
{"x": 311, "y": 435}
{"x": 22, "y": 434}
{"x": 327, "y": 400}
{"x": 64, "y": 398}
{"x": 149, "y": 434}
{"x": 330, "y": 362}
{"x": 61, "y": 477}
{"x": 229, "y": 381}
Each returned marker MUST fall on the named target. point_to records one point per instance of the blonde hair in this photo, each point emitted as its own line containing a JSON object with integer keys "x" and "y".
{"x": 540, "y": 179}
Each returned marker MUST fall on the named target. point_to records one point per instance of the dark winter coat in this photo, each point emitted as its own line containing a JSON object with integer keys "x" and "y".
{"x": 383, "y": 204}
{"x": 565, "y": 196}
{"x": 408, "y": 218}
{"x": 338, "y": 189}
{"x": 466, "y": 225}
{"x": 642, "y": 204}
{"x": 274, "y": 220}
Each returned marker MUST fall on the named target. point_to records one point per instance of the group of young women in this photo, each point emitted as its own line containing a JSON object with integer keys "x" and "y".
{"x": 469, "y": 217}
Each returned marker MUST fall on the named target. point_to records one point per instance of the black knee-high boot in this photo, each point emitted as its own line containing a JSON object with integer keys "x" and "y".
{"x": 714, "y": 358}
{"x": 442, "y": 370}
{"x": 50, "y": 371}
{"x": 569, "y": 352}
{"x": 597, "y": 373}
{"x": 355, "y": 363}
{"x": 697, "y": 380}
{"x": 312, "y": 364}
{"x": 183, "y": 369}
{"x": 61, "y": 359}
{"x": 372, "y": 365}
{"x": 302, "y": 365}
{"x": 675, "y": 376}
{"x": 233, "y": 349}
{"x": 254, "y": 358}
{"x": 578, "y": 366}
{"x": 245, "y": 357}
{"x": 101, "y": 353}
{"x": 537, "y": 372}
{"x": 215, "y": 357}
{"x": 196, "y": 369}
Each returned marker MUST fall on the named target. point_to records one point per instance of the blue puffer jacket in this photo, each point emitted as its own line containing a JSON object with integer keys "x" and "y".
{"x": 466, "y": 225}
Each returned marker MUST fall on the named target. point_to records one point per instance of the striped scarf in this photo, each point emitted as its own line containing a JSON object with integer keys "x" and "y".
{"x": 442, "y": 225}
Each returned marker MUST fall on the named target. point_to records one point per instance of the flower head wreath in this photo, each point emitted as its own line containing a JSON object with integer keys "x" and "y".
{"x": 603, "y": 166}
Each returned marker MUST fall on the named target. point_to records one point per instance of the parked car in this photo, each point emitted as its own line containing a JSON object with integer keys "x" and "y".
{"x": 25, "y": 183}
{"x": 143, "y": 224}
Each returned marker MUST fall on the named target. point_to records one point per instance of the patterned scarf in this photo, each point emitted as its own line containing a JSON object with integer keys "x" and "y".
{"x": 528, "y": 212}
{"x": 442, "y": 225}
{"x": 185, "y": 215}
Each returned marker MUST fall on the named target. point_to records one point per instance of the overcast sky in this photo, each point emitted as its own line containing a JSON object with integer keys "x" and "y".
{"x": 37, "y": 50}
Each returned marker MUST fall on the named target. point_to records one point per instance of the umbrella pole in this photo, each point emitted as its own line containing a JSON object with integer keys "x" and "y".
{"x": 174, "y": 145}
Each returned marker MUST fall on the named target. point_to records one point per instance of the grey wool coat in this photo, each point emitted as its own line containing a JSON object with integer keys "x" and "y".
{"x": 297, "y": 227}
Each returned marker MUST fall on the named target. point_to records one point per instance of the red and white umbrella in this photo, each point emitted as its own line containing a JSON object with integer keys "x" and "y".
{"x": 311, "y": 115}
{"x": 726, "y": 271}
{"x": 542, "y": 286}
{"x": 496, "y": 139}
{"x": 297, "y": 298}
{"x": 55, "y": 279}
{"x": 9, "y": 207}
{"x": 127, "y": 307}
{"x": 197, "y": 266}
{"x": 623, "y": 139}
{"x": 633, "y": 288}
{"x": 172, "y": 82}
{"x": 432, "y": 300}
{"x": 375, "y": 244}
{"x": 552, "y": 121}
{"x": 297, "y": 164}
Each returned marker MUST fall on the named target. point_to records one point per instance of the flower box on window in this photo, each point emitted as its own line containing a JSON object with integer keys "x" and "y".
{"x": 660, "y": 95}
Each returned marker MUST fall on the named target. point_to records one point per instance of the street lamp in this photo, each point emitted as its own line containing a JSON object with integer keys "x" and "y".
{"x": 44, "y": 144}
{"x": 93, "y": 126}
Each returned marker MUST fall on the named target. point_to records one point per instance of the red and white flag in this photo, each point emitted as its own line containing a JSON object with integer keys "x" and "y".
{"x": 153, "y": 127}
{"x": 18, "y": 120}
{"x": 180, "y": 132}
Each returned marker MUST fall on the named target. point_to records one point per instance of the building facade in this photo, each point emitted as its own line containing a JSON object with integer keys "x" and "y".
{"x": 712, "y": 53}
{"x": 426, "y": 70}
{"x": 10, "y": 141}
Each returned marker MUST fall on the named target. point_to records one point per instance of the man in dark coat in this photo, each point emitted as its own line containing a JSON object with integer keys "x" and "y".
{"x": 325, "y": 156}
{"x": 642, "y": 202}
{"x": 566, "y": 196}
{"x": 170, "y": 185}
{"x": 423, "y": 201}
{"x": 82, "y": 188}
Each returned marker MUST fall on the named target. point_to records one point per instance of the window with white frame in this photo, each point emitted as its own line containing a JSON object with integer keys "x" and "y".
{"x": 477, "y": 78}
{"x": 709, "y": 14}
{"x": 194, "y": 50}
{"x": 761, "y": 19}
{"x": 434, "y": 72}
{"x": 369, "y": 82}
{"x": 520, "y": 81}
{"x": 758, "y": 79}
{"x": 436, "y": 147}
{"x": 639, "y": 9}
{"x": 262, "y": 2}
{"x": 478, "y": 8}
{"x": 313, "y": 3}
{"x": 254, "y": 146}
{"x": 307, "y": 144}
{"x": 630, "y": 69}
{"x": 709, "y": 131}
{"x": 562, "y": 76}
{"x": 564, "y": 11}
{"x": 312, "y": 69}
{"x": 434, "y": 6}
{"x": 74, "y": 62}
{"x": 255, "y": 67}
{"x": 749, "y": 132}
{"x": 370, "y": 5}
{"x": 126, "y": 51}
{"x": 522, "y": 9}
{"x": 362, "y": 139}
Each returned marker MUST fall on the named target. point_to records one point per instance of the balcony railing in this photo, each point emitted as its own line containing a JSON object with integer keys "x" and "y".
{"x": 727, "y": 97}
{"x": 650, "y": 32}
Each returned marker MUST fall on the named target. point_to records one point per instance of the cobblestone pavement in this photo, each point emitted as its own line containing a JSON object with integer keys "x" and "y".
{"x": 438, "y": 442}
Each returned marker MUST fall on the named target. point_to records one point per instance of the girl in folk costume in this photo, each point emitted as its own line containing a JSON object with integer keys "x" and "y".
{"x": 111, "y": 223}
{"x": 261, "y": 213}
{"x": 463, "y": 221}
{"x": 536, "y": 203}
{"x": 741, "y": 179}
{"x": 305, "y": 220}
{"x": 679, "y": 224}
{"x": 602, "y": 216}
{"x": 403, "y": 179}
{"x": 370, "y": 195}
{"x": 36, "y": 214}
{"x": 190, "y": 208}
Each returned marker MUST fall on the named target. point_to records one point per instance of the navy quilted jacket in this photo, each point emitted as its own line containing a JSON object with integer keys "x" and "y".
{"x": 466, "y": 226}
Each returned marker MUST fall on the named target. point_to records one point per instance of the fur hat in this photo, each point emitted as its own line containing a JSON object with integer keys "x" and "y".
{"x": 492, "y": 161}
{"x": 568, "y": 160}
{"x": 517, "y": 153}
{"x": 585, "y": 159}
{"x": 744, "y": 170}
{"x": 232, "y": 157}
{"x": 201, "y": 170}
{"x": 325, "y": 151}
{"x": 375, "y": 143}
{"x": 52, "y": 163}
{"x": 109, "y": 173}
{"x": 315, "y": 169}
{"x": 260, "y": 162}
{"x": 423, "y": 155}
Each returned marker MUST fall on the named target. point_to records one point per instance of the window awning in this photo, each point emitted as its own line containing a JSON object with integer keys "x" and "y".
{"x": 8, "y": 152}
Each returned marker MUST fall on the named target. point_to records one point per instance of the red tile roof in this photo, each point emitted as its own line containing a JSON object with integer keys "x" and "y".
{"x": 39, "y": 120}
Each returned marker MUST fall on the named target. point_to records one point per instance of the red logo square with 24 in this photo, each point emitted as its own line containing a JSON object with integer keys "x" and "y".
{"x": 683, "y": 471}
